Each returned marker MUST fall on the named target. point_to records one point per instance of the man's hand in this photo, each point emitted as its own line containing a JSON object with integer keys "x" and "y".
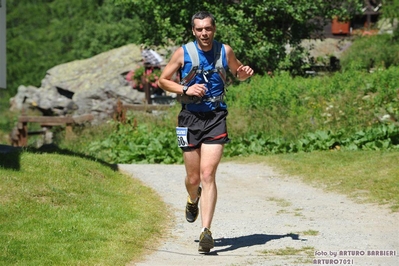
{"x": 244, "y": 72}
{"x": 198, "y": 90}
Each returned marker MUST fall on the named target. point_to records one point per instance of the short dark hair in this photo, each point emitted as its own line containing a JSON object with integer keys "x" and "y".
{"x": 201, "y": 15}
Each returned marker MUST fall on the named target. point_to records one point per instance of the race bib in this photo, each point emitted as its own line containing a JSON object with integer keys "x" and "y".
{"x": 181, "y": 133}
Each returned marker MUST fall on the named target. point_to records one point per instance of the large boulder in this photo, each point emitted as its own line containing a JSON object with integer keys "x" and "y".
{"x": 89, "y": 86}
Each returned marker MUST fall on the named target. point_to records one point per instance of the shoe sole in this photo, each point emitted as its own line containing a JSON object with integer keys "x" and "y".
{"x": 191, "y": 221}
{"x": 204, "y": 250}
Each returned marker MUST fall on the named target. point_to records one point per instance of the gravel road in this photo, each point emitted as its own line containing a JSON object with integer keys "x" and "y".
{"x": 264, "y": 218}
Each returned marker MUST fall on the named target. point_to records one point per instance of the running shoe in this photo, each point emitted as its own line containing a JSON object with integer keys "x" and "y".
{"x": 205, "y": 241}
{"x": 192, "y": 208}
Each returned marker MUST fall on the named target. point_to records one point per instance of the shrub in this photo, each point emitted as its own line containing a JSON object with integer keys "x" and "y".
{"x": 352, "y": 110}
{"x": 138, "y": 77}
{"x": 370, "y": 52}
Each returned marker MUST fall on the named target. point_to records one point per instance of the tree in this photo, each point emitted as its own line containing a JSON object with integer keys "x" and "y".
{"x": 259, "y": 31}
{"x": 44, "y": 33}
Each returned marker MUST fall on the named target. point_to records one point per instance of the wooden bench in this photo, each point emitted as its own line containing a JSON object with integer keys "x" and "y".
{"x": 19, "y": 136}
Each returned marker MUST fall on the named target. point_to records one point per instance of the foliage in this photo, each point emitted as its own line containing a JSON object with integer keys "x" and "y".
{"x": 45, "y": 33}
{"x": 288, "y": 106}
{"x": 371, "y": 52}
{"x": 391, "y": 12}
{"x": 42, "y": 34}
{"x": 279, "y": 114}
{"x": 257, "y": 30}
{"x": 138, "y": 143}
{"x": 344, "y": 10}
{"x": 141, "y": 75}
{"x": 381, "y": 137}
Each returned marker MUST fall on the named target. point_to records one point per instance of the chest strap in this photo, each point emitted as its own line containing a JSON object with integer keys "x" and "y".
{"x": 186, "y": 99}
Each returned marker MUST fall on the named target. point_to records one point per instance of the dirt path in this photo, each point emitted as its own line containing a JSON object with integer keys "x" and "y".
{"x": 261, "y": 214}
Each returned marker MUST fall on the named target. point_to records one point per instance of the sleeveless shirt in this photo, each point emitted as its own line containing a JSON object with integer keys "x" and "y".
{"x": 212, "y": 80}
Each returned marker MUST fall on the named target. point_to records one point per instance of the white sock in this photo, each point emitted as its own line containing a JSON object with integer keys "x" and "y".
{"x": 194, "y": 201}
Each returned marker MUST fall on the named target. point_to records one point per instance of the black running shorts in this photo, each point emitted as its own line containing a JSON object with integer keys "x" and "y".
{"x": 204, "y": 127}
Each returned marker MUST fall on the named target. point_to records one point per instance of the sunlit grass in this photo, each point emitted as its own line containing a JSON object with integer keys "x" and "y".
{"x": 301, "y": 255}
{"x": 66, "y": 210}
{"x": 289, "y": 251}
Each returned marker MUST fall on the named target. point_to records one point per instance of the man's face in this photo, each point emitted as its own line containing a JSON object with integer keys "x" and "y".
{"x": 204, "y": 32}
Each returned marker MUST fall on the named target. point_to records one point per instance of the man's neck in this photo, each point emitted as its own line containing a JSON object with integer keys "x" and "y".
{"x": 205, "y": 48}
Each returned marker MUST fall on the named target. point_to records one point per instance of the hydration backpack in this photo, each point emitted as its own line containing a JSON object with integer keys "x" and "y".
{"x": 193, "y": 53}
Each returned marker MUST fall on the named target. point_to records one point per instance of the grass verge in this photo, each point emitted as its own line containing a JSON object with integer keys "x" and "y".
{"x": 67, "y": 210}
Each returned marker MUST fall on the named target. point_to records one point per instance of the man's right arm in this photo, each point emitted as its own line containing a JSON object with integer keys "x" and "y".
{"x": 165, "y": 80}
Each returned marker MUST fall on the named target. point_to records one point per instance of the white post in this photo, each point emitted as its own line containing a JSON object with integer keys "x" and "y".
{"x": 3, "y": 62}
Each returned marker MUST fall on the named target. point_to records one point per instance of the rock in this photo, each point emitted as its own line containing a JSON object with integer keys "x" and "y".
{"x": 23, "y": 98}
{"x": 89, "y": 86}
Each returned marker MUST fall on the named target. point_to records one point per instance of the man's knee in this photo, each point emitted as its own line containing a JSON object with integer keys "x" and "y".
{"x": 208, "y": 177}
{"x": 193, "y": 180}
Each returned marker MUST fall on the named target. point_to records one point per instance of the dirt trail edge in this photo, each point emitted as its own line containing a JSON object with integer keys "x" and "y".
{"x": 263, "y": 218}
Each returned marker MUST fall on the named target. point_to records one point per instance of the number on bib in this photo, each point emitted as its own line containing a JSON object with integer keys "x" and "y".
{"x": 181, "y": 133}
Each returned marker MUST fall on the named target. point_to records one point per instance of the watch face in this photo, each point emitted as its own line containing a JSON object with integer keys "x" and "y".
{"x": 185, "y": 88}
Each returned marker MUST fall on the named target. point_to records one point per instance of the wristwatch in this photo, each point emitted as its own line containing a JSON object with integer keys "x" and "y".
{"x": 185, "y": 89}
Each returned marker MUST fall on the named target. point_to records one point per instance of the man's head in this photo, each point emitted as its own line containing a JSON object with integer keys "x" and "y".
{"x": 201, "y": 15}
{"x": 204, "y": 28}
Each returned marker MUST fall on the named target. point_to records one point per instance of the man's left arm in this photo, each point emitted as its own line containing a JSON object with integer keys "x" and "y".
{"x": 240, "y": 71}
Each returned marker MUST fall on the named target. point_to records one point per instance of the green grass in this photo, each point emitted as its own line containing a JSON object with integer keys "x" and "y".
{"x": 367, "y": 176}
{"x": 66, "y": 210}
{"x": 310, "y": 233}
{"x": 302, "y": 255}
{"x": 290, "y": 251}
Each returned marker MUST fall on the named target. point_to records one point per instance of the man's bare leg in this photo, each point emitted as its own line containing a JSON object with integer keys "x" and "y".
{"x": 210, "y": 158}
{"x": 192, "y": 164}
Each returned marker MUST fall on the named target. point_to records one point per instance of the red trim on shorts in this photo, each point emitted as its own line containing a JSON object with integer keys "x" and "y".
{"x": 218, "y": 136}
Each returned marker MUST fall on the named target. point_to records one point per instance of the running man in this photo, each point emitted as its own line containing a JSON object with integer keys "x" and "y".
{"x": 202, "y": 130}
